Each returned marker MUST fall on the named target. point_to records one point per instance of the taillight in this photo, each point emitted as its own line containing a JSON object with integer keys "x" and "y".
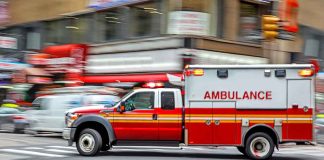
{"x": 306, "y": 72}
{"x": 195, "y": 72}
{"x": 16, "y": 117}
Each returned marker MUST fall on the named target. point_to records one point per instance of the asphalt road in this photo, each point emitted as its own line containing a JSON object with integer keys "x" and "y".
{"x": 52, "y": 147}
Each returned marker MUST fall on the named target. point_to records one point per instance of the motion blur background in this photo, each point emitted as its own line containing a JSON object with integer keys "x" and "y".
{"x": 50, "y": 44}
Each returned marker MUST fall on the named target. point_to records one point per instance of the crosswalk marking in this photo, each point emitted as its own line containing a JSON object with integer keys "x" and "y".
{"x": 33, "y": 148}
{"x": 60, "y": 151}
{"x": 31, "y": 153}
{"x": 63, "y": 147}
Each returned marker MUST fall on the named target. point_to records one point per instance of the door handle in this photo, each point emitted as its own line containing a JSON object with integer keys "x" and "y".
{"x": 207, "y": 122}
{"x": 154, "y": 116}
{"x": 217, "y": 122}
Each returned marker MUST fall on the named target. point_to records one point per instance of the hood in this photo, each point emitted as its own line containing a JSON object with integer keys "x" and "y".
{"x": 87, "y": 109}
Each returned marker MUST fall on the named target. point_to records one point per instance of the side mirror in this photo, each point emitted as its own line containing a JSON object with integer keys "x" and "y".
{"x": 122, "y": 107}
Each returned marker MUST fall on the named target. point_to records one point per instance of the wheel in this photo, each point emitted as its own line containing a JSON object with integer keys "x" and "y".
{"x": 89, "y": 142}
{"x": 259, "y": 146}
{"x": 241, "y": 149}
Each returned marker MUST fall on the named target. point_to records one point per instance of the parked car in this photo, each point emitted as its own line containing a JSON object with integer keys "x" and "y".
{"x": 319, "y": 130}
{"x": 49, "y": 117}
{"x": 12, "y": 120}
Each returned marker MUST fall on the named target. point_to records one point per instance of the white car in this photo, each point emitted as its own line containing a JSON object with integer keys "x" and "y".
{"x": 49, "y": 117}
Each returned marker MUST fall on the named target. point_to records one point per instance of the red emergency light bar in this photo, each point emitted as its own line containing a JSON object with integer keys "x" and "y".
{"x": 153, "y": 85}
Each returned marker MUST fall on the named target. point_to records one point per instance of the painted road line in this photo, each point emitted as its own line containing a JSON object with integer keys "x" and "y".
{"x": 60, "y": 151}
{"x": 30, "y": 153}
{"x": 33, "y": 148}
{"x": 62, "y": 147}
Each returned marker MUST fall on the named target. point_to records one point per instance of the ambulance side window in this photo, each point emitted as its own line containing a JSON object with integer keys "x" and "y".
{"x": 167, "y": 100}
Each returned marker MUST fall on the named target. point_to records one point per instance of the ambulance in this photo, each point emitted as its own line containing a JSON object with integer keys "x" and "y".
{"x": 252, "y": 107}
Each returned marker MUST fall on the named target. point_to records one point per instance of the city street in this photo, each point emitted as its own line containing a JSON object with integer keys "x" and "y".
{"x": 51, "y": 146}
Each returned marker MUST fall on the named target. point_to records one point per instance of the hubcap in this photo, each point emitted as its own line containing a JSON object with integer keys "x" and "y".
{"x": 86, "y": 142}
{"x": 260, "y": 146}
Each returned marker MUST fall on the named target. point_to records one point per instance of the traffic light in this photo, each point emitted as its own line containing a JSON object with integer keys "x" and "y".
{"x": 270, "y": 26}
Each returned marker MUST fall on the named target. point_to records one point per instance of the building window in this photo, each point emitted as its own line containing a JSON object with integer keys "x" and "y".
{"x": 145, "y": 19}
{"x": 55, "y": 32}
{"x": 167, "y": 101}
{"x": 78, "y": 28}
{"x": 110, "y": 25}
{"x": 193, "y": 17}
{"x": 250, "y": 20}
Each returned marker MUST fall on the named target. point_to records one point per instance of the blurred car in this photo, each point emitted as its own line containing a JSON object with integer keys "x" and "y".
{"x": 49, "y": 117}
{"x": 319, "y": 130}
{"x": 12, "y": 120}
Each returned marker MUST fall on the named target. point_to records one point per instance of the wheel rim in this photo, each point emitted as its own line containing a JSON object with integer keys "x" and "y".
{"x": 86, "y": 142}
{"x": 260, "y": 146}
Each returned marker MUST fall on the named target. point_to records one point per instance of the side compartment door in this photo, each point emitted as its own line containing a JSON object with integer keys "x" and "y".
{"x": 199, "y": 125}
{"x": 299, "y": 111}
{"x": 139, "y": 121}
{"x": 224, "y": 123}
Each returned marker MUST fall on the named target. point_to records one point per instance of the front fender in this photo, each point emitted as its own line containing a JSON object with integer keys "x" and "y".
{"x": 95, "y": 118}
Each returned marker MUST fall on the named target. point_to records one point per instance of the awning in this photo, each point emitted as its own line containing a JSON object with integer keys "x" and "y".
{"x": 159, "y": 77}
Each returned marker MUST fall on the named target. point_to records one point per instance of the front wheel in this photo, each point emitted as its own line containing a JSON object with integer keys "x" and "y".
{"x": 259, "y": 146}
{"x": 89, "y": 142}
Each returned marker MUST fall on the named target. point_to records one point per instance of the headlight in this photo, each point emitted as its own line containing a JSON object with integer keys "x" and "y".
{"x": 70, "y": 118}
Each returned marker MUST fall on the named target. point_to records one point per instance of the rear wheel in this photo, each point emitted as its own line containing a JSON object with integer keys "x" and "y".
{"x": 259, "y": 146}
{"x": 89, "y": 142}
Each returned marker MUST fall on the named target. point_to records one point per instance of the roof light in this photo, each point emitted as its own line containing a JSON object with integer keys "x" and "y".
{"x": 306, "y": 72}
{"x": 153, "y": 85}
{"x": 198, "y": 72}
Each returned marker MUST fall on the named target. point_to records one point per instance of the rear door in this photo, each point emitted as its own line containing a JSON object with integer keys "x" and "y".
{"x": 299, "y": 110}
{"x": 169, "y": 116}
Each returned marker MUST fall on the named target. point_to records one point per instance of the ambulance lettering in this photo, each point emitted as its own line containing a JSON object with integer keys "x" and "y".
{"x": 236, "y": 95}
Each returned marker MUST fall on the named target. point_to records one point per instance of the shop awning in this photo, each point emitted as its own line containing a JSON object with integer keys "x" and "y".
{"x": 159, "y": 77}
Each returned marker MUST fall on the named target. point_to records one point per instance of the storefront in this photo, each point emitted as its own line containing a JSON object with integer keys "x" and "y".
{"x": 156, "y": 60}
{"x": 6, "y": 71}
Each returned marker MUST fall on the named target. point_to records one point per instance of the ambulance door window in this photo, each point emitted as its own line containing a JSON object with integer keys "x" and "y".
{"x": 167, "y": 101}
{"x": 141, "y": 100}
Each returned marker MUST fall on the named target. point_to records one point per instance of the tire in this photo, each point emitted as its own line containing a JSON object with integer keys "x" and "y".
{"x": 89, "y": 142}
{"x": 259, "y": 145}
{"x": 241, "y": 149}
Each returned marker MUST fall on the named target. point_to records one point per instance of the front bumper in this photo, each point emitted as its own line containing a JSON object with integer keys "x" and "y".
{"x": 68, "y": 134}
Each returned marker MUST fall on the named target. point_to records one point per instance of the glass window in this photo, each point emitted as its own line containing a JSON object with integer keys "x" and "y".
{"x": 77, "y": 28}
{"x": 110, "y": 24}
{"x": 142, "y": 100}
{"x": 145, "y": 19}
{"x": 167, "y": 101}
{"x": 193, "y": 17}
{"x": 55, "y": 32}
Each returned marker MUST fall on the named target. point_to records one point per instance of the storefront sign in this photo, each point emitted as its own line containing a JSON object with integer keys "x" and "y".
{"x": 188, "y": 22}
{"x": 4, "y": 11}
{"x": 101, "y": 4}
{"x": 8, "y": 42}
